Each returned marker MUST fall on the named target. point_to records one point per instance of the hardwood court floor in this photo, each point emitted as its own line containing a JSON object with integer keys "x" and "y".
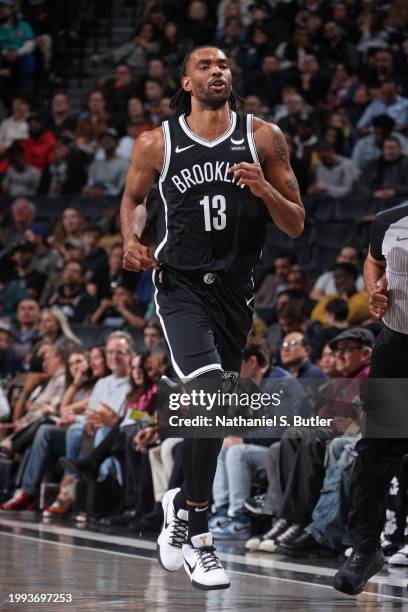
{"x": 105, "y": 571}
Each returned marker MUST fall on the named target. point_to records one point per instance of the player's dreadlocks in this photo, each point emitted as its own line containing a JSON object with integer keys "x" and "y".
{"x": 181, "y": 101}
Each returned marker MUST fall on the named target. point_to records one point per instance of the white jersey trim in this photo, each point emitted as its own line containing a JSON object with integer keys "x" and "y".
{"x": 173, "y": 361}
{"x": 167, "y": 149}
{"x": 166, "y": 164}
{"x": 250, "y": 137}
{"x": 163, "y": 242}
{"x": 203, "y": 141}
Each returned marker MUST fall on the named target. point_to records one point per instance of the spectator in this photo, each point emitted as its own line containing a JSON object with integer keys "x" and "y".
{"x": 389, "y": 103}
{"x": 53, "y": 327}
{"x": 152, "y": 335}
{"x": 274, "y": 281}
{"x": 387, "y": 177}
{"x": 174, "y": 45}
{"x": 40, "y": 145}
{"x": 14, "y": 127}
{"x": 137, "y": 117}
{"x": 93, "y": 123}
{"x": 68, "y": 169}
{"x": 17, "y": 47}
{"x": 95, "y": 257}
{"x": 369, "y": 147}
{"x": 22, "y": 216}
{"x": 136, "y": 52}
{"x": 21, "y": 179}
{"x": 107, "y": 177}
{"x": 43, "y": 401}
{"x": 294, "y": 354}
{"x": 333, "y": 175}
{"x": 345, "y": 277}
{"x": 9, "y": 363}
{"x": 153, "y": 93}
{"x": 357, "y": 103}
{"x": 119, "y": 89}
{"x": 110, "y": 275}
{"x": 337, "y": 314}
{"x": 336, "y": 47}
{"x": 60, "y": 121}
{"x": 268, "y": 83}
{"x": 313, "y": 83}
{"x": 325, "y": 284}
{"x": 121, "y": 311}
{"x": 44, "y": 260}
{"x": 76, "y": 304}
{"x": 26, "y": 282}
{"x": 71, "y": 225}
{"x": 289, "y": 53}
{"x": 342, "y": 82}
{"x": 198, "y": 24}
{"x": 158, "y": 71}
{"x": 25, "y": 333}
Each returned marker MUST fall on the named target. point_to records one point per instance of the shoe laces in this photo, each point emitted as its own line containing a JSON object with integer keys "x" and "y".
{"x": 280, "y": 524}
{"x": 357, "y": 561}
{"x": 289, "y": 533}
{"x": 178, "y": 531}
{"x": 208, "y": 559}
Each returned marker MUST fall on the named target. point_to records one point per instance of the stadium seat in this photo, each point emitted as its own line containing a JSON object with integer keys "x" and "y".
{"x": 334, "y": 235}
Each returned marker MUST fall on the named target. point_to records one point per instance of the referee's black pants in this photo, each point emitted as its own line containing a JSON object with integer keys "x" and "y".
{"x": 378, "y": 458}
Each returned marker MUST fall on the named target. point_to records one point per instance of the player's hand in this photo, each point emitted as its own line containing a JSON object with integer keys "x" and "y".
{"x": 378, "y": 301}
{"x": 251, "y": 175}
{"x": 136, "y": 256}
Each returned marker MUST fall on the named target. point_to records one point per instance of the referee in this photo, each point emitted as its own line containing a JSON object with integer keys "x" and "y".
{"x": 386, "y": 280}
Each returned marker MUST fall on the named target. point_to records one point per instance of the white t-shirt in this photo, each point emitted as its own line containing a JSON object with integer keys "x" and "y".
{"x": 326, "y": 283}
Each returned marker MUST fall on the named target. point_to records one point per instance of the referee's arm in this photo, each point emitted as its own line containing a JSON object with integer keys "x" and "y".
{"x": 376, "y": 284}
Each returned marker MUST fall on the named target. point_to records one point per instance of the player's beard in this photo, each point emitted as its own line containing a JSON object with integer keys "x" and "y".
{"x": 214, "y": 100}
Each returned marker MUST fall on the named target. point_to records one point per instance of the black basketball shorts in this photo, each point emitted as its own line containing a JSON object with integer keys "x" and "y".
{"x": 206, "y": 320}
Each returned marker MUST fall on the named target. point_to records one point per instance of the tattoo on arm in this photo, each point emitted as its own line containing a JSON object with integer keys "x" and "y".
{"x": 281, "y": 150}
{"x": 292, "y": 184}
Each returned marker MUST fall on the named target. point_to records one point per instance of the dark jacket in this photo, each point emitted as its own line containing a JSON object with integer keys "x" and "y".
{"x": 379, "y": 174}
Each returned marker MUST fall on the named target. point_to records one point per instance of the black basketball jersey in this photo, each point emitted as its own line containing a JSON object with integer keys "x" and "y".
{"x": 211, "y": 222}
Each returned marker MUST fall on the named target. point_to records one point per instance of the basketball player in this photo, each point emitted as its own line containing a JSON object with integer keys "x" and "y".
{"x": 221, "y": 174}
{"x": 386, "y": 279}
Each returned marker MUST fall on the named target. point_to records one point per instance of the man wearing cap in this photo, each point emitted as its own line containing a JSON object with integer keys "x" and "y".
{"x": 106, "y": 177}
{"x": 386, "y": 279}
{"x": 27, "y": 282}
{"x": 71, "y": 297}
{"x": 45, "y": 260}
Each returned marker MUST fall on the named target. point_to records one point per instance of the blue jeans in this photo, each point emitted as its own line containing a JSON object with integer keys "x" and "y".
{"x": 235, "y": 467}
{"x": 328, "y": 526}
{"x": 110, "y": 464}
{"x": 48, "y": 445}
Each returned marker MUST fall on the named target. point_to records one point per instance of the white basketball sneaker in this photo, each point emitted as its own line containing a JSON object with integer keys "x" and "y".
{"x": 173, "y": 534}
{"x": 202, "y": 564}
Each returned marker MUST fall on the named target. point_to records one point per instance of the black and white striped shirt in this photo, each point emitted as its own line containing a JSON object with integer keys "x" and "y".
{"x": 389, "y": 243}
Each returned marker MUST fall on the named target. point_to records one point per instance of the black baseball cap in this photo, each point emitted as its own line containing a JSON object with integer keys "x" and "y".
{"x": 364, "y": 336}
{"x": 23, "y": 245}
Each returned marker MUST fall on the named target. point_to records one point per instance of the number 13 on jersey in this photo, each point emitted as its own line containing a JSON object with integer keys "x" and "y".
{"x": 217, "y": 206}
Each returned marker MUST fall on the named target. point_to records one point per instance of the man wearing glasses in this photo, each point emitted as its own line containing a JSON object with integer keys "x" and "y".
{"x": 386, "y": 279}
{"x": 294, "y": 354}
